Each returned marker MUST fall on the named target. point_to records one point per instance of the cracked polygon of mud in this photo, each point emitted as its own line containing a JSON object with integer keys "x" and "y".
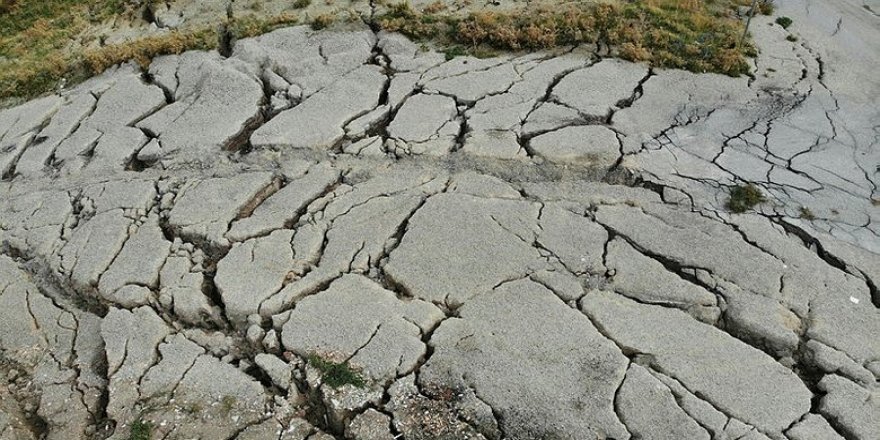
{"x": 501, "y": 248}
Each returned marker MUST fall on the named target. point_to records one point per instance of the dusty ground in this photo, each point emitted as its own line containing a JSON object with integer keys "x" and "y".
{"x": 345, "y": 235}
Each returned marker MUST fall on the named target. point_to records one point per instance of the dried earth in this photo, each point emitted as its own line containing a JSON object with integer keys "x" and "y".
{"x": 345, "y": 235}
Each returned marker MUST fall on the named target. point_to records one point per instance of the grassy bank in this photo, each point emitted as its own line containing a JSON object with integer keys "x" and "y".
{"x": 45, "y": 41}
{"x": 700, "y": 36}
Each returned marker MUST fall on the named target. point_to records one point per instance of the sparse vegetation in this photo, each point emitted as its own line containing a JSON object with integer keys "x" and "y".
{"x": 336, "y": 374}
{"x": 45, "y": 41}
{"x": 697, "y": 36}
{"x": 745, "y": 197}
{"x": 322, "y": 21}
{"x": 252, "y": 26}
{"x": 791, "y": 38}
{"x": 140, "y": 430}
{"x": 454, "y": 51}
{"x": 227, "y": 404}
{"x": 785, "y": 22}
{"x": 34, "y": 35}
{"x": 807, "y": 214}
{"x": 144, "y": 50}
{"x": 193, "y": 408}
{"x": 36, "y": 38}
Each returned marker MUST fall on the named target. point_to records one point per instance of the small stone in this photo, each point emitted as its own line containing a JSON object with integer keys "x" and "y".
{"x": 370, "y": 425}
{"x": 255, "y": 319}
{"x": 255, "y": 334}
{"x": 271, "y": 342}
{"x": 276, "y": 369}
{"x": 813, "y": 427}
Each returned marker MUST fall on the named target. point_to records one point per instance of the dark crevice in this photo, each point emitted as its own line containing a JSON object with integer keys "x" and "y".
{"x": 227, "y": 41}
{"x": 209, "y": 289}
{"x": 35, "y": 139}
{"x": 51, "y": 284}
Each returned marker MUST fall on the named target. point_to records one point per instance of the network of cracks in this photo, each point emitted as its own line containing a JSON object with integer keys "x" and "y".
{"x": 346, "y": 235}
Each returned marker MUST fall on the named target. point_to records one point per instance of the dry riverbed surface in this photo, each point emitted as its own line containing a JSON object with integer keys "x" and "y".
{"x": 346, "y": 234}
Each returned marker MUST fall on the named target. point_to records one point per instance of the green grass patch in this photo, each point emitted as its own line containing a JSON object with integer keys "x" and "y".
{"x": 140, "y": 430}
{"x": 336, "y": 374}
{"x": 454, "y": 51}
{"x": 785, "y": 22}
{"x": 745, "y": 197}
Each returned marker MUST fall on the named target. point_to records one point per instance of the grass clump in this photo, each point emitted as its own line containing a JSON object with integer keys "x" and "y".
{"x": 144, "y": 50}
{"x": 336, "y": 374}
{"x": 323, "y": 21}
{"x": 140, "y": 430}
{"x": 745, "y": 197}
{"x": 766, "y": 7}
{"x": 302, "y": 4}
{"x": 252, "y": 26}
{"x": 701, "y": 36}
{"x": 454, "y": 51}
{"x": 785, "y": 22}
{"x": 807, "y": 213}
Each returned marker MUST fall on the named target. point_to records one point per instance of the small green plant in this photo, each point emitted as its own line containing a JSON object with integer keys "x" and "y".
{"x": 744, "y": 197}
{"x": 454, "y": 51}
{"x": 227, "y": 403}
{"x": 791, "y": 38}
{"x": 807, "y": 214}
{"x": 785, "y": 22}
{"x": 140, "y": 430}
{"x": 336, "y": 374}
{"x": 300, "y": 4}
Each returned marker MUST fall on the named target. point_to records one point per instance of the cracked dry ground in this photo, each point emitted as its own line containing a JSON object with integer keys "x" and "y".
{"x": 521, "y": 247}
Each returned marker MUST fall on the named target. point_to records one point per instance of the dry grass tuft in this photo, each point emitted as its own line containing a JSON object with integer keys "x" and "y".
{"x": 144, "y": 50}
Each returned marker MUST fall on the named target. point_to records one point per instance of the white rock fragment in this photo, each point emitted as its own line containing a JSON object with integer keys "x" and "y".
{"x": 277, "y": 370}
